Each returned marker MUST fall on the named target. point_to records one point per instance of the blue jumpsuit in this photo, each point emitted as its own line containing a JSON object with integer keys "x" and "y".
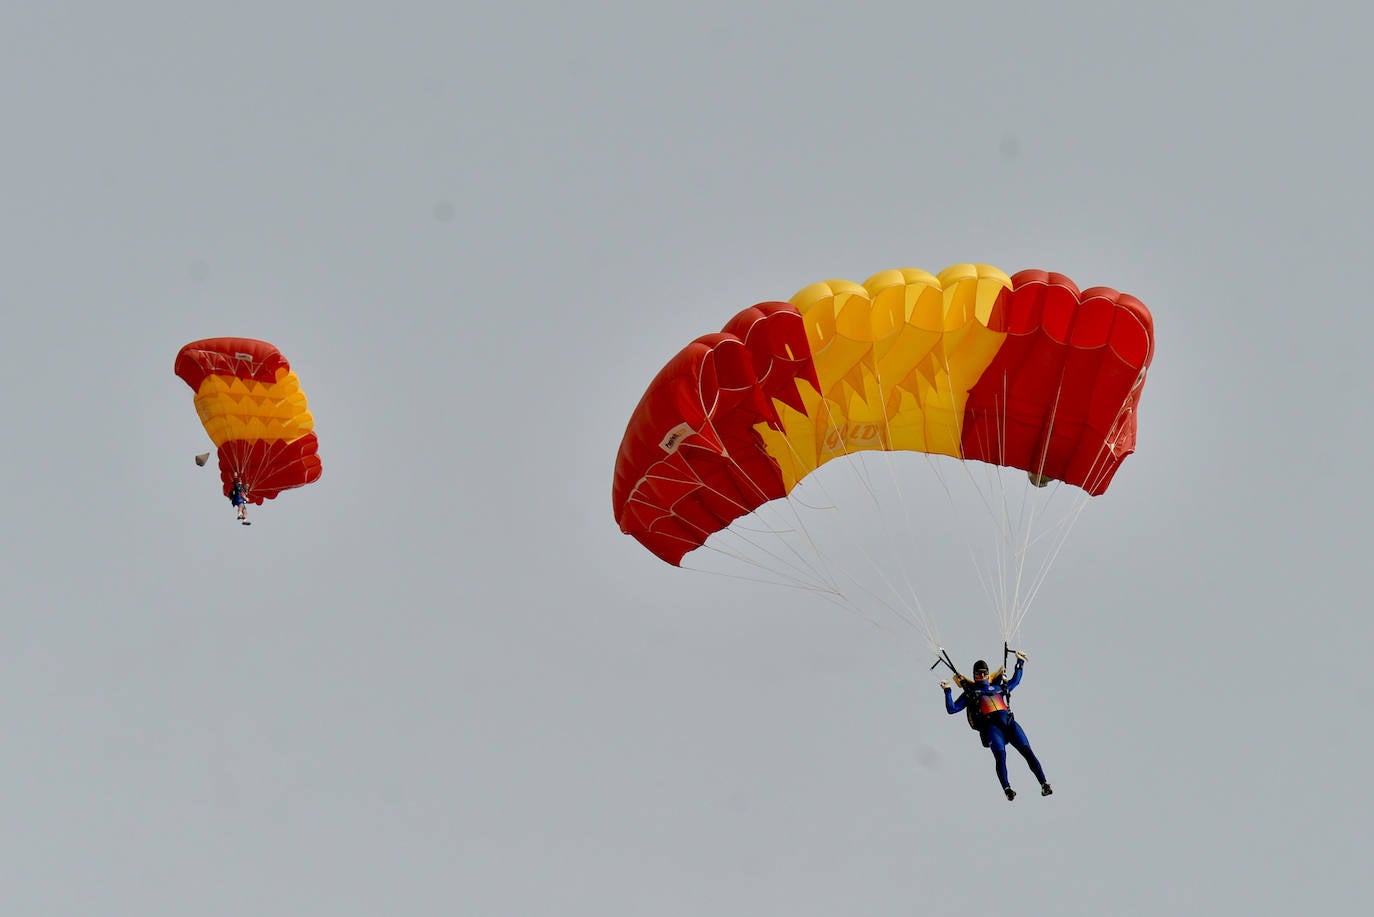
{"x": 999, "y": 729}
{"x": 237, "y": 495}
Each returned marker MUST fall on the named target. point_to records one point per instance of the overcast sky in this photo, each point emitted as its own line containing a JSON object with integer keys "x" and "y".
{"x": 441, "y": 681}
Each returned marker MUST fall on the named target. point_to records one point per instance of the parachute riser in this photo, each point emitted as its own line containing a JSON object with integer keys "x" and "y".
{"x": 943, "y": 659}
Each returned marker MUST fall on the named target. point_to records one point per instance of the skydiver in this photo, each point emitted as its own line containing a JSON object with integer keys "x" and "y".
{"x": 989, "y": 705}
{"x": 238, "y": 495}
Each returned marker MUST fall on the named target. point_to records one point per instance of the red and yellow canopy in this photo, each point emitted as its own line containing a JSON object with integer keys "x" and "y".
{"x": 253, "y": 408}
{"x": 1024, "y": 371}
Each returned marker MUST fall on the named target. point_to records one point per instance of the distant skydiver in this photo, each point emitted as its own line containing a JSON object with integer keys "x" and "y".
{"x": 238, "y": 495}
{"x": 988, "y": 704}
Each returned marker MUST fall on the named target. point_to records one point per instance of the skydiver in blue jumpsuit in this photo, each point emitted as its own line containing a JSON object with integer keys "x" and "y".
{"x": 238, "y": 495}
{"x": 990, "y": 702}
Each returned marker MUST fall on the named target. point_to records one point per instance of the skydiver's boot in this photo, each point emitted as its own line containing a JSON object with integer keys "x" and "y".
{"x": 1046, "y": 789}
{"x": 1011, "y": 794}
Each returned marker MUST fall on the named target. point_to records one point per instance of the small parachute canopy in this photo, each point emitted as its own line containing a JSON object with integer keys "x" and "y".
{"x": 252, "y": 407}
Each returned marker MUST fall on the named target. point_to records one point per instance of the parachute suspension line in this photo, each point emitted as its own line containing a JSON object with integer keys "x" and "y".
{"x": 838, "y": 430}
{"x": 855, "y": 463}
{"x": 829, "y": 591}
{"x": 815, "y": 564}
{"x": 996, "y": 592}
{"x": 782, "y": 567}
{"x": 1060, "y": 530}
{"x": 824, "y": 580}
{"x": 1065, "y": 526}
{"x": 1011, "y": 558}
{"x": 983, "y": 574}
{"x": 800, "y": 585}
{"x": 1007, "y": 558}
{"x": 785, "y": 570}
{"x": 993, "y": 484}
{"x": 860, "y": 471}
{"x": 818, "y": 483}
{"x": 1100, "y": 472}
{"x": 840, "y": 571}
{"x": 806, "y": 569}
{"x": 926, "y": 622}
{"x": 991, "y": 585}
{"x": 834, "y": 597}
{"x": 237, "y": 452}
{"x": 1008, "y": 562}
{"x": 1017, "y": 612}
{"x": 813, "y": 578}
{"x": 923, "y": 617}
{"x": 896, "y": 609}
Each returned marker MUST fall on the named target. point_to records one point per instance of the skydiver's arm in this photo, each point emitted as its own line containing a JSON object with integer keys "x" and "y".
{"x": 1015, "y": 678}
{"x": 953, "y": 705}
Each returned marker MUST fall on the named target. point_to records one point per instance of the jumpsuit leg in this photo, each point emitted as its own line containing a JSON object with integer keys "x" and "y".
{"x": 1018, "y": 741}
{"x": 998, "y": 743}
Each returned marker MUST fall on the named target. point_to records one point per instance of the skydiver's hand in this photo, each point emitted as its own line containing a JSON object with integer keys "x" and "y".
{"x": 946, "y": 685}
{"x": 1020, "y": 656}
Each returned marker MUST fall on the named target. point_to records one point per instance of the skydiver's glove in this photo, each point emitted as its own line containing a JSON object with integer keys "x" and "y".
{"x": 946, "y": 685}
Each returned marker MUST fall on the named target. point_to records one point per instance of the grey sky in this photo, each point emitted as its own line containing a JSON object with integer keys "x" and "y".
{"x": 440, "y": 681}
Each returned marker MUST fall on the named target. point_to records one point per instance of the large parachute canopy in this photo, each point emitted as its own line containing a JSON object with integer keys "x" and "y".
{"x": 1024, "y": 372}
{"x": 253, "y": 408}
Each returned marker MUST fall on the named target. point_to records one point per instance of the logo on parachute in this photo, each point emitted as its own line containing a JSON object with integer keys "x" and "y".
{"x": 675, "y": 437}
{"x": 852, "y": 436}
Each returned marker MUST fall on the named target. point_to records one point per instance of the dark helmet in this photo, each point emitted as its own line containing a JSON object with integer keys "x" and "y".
{"x": 980, "y": 667}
